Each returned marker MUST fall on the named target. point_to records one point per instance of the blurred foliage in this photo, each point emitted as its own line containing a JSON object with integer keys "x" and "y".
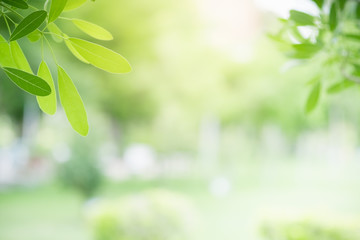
{"x": 309, "y": 230}
{"x": 153, "y": 215}
{"x": 328, "y": 39}
{"x": 81, "y": 172}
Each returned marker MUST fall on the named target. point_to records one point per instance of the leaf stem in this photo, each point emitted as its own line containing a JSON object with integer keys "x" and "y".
{"x": 51, "y": 50}
{"x": 7, "y": 24}
{"x": 11, "y": 10}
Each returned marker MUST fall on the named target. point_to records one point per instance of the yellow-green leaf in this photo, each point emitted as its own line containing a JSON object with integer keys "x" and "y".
{"x": 72, "y": 103}
{"x": 19, "y": 57}
{"x": 47, "y": 104}
{"x": 28, "y": 82}
{"x": 6, "y": 59}
{"x": 92, "y": 29}
{"x": 101, "y": 57}
{"x": 56, "y": 8}
{"x": 57, "y": 33}
{"x": 313, "y": 98}
{"x": 74, "y": 52}
{"x": 34, "y": 36}
{"x": 72, "y": 4}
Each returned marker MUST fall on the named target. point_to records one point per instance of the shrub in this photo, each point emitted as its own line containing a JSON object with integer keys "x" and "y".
{"x": 153, "y": 215}
{"x": 309, "y": 230}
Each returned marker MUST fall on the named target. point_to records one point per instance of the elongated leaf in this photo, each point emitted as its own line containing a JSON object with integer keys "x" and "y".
{"x": 6, "y": 59}
{"x": 48, "y": 103}
{"x": 72, "y": 4}
{"x": 34, "y": 36}
{"x": 74, "y": 52}
{"x": 341, "y": 4}
{"x": 19, "y": 57}
{"x": 333, "y": 21}
{"x": 357, "y": 11}
{"x": 313, "y": 98}
{"x": 301, "y": 18}
{"x": 296, "y": 34}
{"x": 28, "y": 24}
{"x": 92, "y": 29}
{"x": 319, "y": 3}
{"x": 101, "y": 57}
{"x": 17, "y": 3}
{"x": 304, "y": 50}
{"x": 338, "y": 87}
{"x": 57, "y": 33}
{"x": 28, "y": 82}
{"x": 56, "y": 8}
{"x": 72, "y": 103}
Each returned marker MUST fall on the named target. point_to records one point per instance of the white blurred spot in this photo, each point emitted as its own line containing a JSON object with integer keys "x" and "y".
{"x": 220, "y": 187}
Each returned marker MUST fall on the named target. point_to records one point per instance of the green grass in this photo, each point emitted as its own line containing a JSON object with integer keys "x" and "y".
{"x": 51, "y": 212}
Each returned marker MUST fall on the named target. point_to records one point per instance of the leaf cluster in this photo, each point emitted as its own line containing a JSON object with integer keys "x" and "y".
{"x": 328, "y": 40}
{"x": 23, "y": 20}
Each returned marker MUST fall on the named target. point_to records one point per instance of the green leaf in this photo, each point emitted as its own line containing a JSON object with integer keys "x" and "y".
{"x": 72, "y": 4}
{"x": 294, "y": 31}
{"x": 17, "y": 3}
{"x": 34, "y": 36}
{"x": 19, "y": 57}
{"x": 6, "y": 59}
{"x": 307, "y": 48}
{"x": 100, "y": 56}
{"x": 340, "y": 86}
{"x": 354, "y": 37}
{"x": 28, "y": 24}
{"x": 341, "y": 4}
{"x": 301, "y": 18}
{"x": 56, "y": 8}
{"x": 72, "y": 103}
{"x": 333, "y": 21}
{"x": 57, "y": 33}
{"x": 48, "y": 103}
{"x": 319, "y": 3}
{"x": 304, "y": 50}
{"x": 313, "y": 98}
{"x": 28, "y": 82}
{"x": 92, "y": 29}
{"x": 73, "y": 50}
{"x": 358, "y": 11}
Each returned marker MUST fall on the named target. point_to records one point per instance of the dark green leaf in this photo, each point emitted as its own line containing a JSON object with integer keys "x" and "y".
{"x": 313, "y": 98}
{"x": 358, "y": 11}
{"x": 333, "y": 21}
{"x": 319, "y": 3}
{"x": 16, "y": 3}
{"x": 341, "y": 4}
{"x": 56, "y": 8}
{"x": 301, "y": 18}
{"x": 28, "y": 24}
{"x": 28, "y": 82}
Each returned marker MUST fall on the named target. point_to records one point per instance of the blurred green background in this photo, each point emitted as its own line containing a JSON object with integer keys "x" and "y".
{"x": 205, "y": 139}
